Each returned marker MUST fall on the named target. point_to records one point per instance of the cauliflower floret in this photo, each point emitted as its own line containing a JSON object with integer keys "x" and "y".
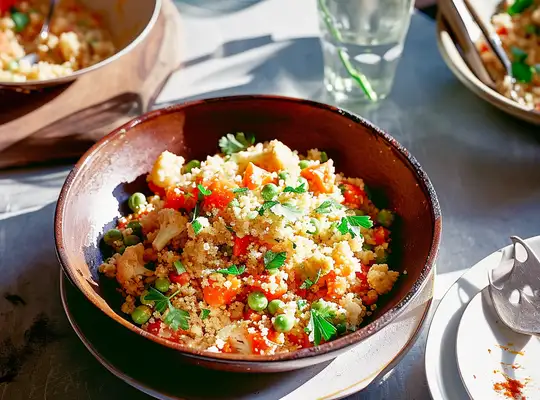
{"x": 316, "y": 263}
{"x": 131, "y": 264}
{"x": 278, "y": 157}
{"x": 354, "y": 308}
{"x": 171, "y": 224}
{"x": 150, "y": 221}
{"x": 237, "y": 336}
{"x": 167, "y": 170}
{"x": 381, "y": 278}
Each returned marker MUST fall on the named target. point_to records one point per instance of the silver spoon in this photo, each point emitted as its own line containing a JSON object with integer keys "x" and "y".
{"x": 495, "y": 43}
{"x": 514, "y": 287}
{"x": 33, "y": 58}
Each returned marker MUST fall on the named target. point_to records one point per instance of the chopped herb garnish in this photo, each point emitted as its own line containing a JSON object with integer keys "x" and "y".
{"x": 230, "y": 143}
{"x": 287, "y": 210}
{"x": 309, "y": 283}
{"x": 274, "y": 260}
{"x": 177, "y": 318}
{"x": 266, "y": 205}
{"x": 518, "y": 54}
{"x": 229, "y": 228}
{"x": 319, "y": 327}
{"x": 522, "y": 72}
{"x": 233, "y": 270}
{"x": 240, "y": 190}
{"x": 532, "y": 29}
{"x": 328, "y": 206}
{"x": 294, "y": 246}
{"x": 180, "y": 269}
{"x": 204, "y": 191}
{"x": 315, "y": 224}
{"x": 197, "y": 226}
{"x": 299, "y": 189}
{"x": 351, "y": 224}
{"x": 151, "y": 265}
{"x": 205, "y": 313}
{"x": 160, "y": 300}
{"x": 21, "y": 20}
{"x": 519, "y": 6}
{"x": 301, "y": 304}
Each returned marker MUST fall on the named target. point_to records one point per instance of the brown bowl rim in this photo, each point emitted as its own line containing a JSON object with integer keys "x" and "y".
{"x": 71, "y": 77}
{"x": 335, "y": 345}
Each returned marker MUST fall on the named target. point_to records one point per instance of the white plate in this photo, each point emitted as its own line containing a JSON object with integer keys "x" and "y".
{"x": 440, "y": 360}
{"x": 488, "y": 352}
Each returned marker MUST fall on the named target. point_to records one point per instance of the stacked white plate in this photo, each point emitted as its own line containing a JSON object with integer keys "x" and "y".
{"x": 470, "y": 353}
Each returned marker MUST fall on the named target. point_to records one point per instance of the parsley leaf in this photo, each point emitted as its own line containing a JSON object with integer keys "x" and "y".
{"x": 180, "y": 269}
{"x": 519, "y": 6}
{"x": 240, "y": 190}
{"x": 197, "y": 226}
{"x": 299, "y": 189}
{"x": 522, "y": 71}
{"x": 205, "y": 313}
{"x": 518, "y": 54}
{"x": 177, "y": 319}
{"x": 319, "y": 327}
{"x": 301, "y": 304}
{"x": 233, "y": 270}
{"x": 328, "y": 206}
{"x": 204, "y": 191}
{"x": 309, "y": 283}
{"x": 274, "y": 260}
{"x": 352, "y": 224}
{"x": 287, "y": 210}
{"x": 230, "y": 143}
{"x": 160, "y": 300}
{"x": 266, "y": 205}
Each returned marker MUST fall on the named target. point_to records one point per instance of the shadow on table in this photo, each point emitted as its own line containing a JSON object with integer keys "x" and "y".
{"x": 211, "y": 8}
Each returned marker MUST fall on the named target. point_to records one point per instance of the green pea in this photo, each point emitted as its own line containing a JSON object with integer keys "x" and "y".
{"x": 275, "y": 306}
{"x": 385, "y": 218}
{"x": 341, "y": 328}
{"x": 136, "y": 227}
{"x": 283, "y": 175}
{"x": 21, "y": 20}
{"x": 257, "y": 301}
{"x": 269, "y": 191}
{"x": 132, "y": 240}
{"x": 324, "y": 156}
{"x": 141, "y": 314}
{"x": 111, "y": 236}
{"x": 192, "y": 164}
{"x": 136, "y": 200}
{"x": 144, "y": 301}
{"x": 162, "y": 284}
{"x": 303, "y": 164}
{"x": 284, "y": 323}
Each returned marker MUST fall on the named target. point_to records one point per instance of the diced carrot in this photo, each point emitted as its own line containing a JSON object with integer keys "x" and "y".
{"x": 370, "y": 298}
{"x": 216, "y": 296}
{"x": 255, "y": 177}
{"x": 252, "y": 315}
{"x": 320, "y": 177}
{"x": 219, "y": 199}
{"x": 258, "y": 343}
{"x": 301, "y": 340}
{"x": 181, "y": 279}
{"x": 176, "y": 198}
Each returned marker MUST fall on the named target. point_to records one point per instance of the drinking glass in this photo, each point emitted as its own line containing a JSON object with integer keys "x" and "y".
{"x": 362, "y": 42}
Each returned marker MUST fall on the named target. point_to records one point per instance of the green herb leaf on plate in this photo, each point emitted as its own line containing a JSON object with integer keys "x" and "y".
{"x": 522, "y": 72}
{"x": 328, "y": 206}
{"x": 21, "y": 20}
{"x": 299, "y": 189}
{"x": 180, "y": 269}
{"x": 274, "y": 260}
{"x": 266, "y": 205}
{"x": 287, "y": 210}
{"x": 177, "y": 318}
{"x": 351, "y": 224}
{"x": 204, "y": 191}
{"x": 240, "y": 190}
{"x": 205, "y": 313}
{"x": 320, "y": 328}
{"x": 518, "y": 54}
{"x": 230, "y": 143}
{"x": 233, "y": 270}
{"x": 309, "y": 283}
{"x": 197, "y": 227}
{"x": 519, "y": 6}
{"x": 161, "y": 302}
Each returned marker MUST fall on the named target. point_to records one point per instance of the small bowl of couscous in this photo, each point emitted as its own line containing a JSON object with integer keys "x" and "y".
{"x": 251, "y": 233}
{"x": 83, "y": 36}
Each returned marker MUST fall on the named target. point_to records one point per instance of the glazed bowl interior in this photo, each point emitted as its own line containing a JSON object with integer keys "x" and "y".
{"x": 128, "y": 23}
{"x": 96, "y": 191}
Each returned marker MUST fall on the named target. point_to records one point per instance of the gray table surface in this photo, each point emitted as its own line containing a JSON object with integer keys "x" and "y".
{"x": 485, "y": 167}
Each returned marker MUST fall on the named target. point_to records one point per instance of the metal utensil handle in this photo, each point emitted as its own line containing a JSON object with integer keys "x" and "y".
{"x": 47, "y": 21}
{"x": 492, "y": 38}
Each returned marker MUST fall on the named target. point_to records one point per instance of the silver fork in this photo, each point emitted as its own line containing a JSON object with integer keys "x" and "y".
{"x": 33, "y": 58}
{"x": 514, "y": 287}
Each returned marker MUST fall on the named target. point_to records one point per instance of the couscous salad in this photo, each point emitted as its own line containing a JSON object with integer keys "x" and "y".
{"x": 256, "y": 250}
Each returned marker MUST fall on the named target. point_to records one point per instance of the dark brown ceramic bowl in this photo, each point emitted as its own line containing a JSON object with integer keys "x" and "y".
{"x": 95, "y": 193}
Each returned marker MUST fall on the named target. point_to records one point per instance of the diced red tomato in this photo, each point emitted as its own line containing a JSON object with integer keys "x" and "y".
{"x": 370, "y": 298}
{"x": 241, "y": 245}
{"x": 219, "y": 199}
{"x": 258, "y": 343}
{"x": 301, "y": 340}
{"x": 5, "y": 5}
{"x": 483, "y": 48}
{"x": 501, "y": 30}
{"x": 176, "y": 199}
{"x": 154, "y": 327}
{"x": 252, "y": 315}
{"x": 273, "y": 335}
{"x": 380, "y": 235}
{"x": 181, "y": 279}
{"x": 354, "y": 196}
{"x": 156, "y": 189}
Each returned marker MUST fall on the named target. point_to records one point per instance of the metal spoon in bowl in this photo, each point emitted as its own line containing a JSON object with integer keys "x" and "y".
{"x": 33, "y": 58}
{"x": 514, "y": 287}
